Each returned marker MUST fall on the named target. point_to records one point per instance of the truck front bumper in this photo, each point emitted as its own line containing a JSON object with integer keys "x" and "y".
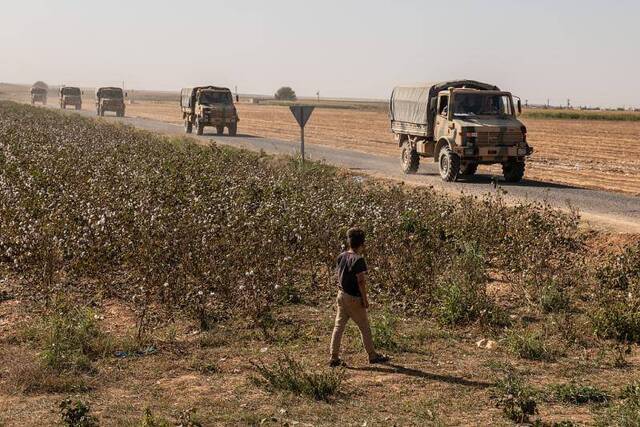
{"x": 492, "y": 154}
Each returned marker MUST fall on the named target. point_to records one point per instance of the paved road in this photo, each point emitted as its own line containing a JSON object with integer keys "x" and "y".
{"x": 618, "y": 212}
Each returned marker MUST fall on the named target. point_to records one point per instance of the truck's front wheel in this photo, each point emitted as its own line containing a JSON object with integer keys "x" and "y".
{"x": 188, "y": 126}
{"x": 199, "y": 127}
{"x": 410, "y": 159}
{"x": 219, "y": 130}
{"x": 233, "y": 129}
{"x": 513, "y": 171}
{"x": 449, "y": 165}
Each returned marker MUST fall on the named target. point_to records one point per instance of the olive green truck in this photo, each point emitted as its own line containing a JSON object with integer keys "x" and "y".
{"x": 110, "y": 99}
{"x": 208, "y": 106}
{"x": 459, "y": 124}
{"x": 70, "y": 96}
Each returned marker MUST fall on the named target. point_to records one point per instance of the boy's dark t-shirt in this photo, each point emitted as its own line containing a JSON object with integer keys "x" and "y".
{"x": 349, "y": 265}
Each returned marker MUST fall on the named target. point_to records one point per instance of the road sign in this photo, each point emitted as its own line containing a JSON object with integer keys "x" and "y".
{"x": 302, "y": 113}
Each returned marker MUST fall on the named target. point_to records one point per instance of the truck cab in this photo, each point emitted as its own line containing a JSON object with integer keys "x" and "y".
{"x": 38, "y": 94}
{"x": 209, "y": 106}
{"x": 110, "y": 99}
{"x": 466, "y": 125}
{"x": 70, "y": 96}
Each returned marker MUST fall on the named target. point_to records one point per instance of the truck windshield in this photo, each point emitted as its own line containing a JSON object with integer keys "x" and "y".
{"x": 111, "y": 93}
{"x": 73, "y": 91}
{"x": 477, "y": 104}
{"x": 211, "y": 97}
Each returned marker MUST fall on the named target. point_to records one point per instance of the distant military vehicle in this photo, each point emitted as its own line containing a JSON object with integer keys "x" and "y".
{"x": 208, "y": 106}
{"x": 110, "y": 99}
{"x": 38, "y": 94}
{"x": 70, "y": 96}
{"x": 460, "y": 124}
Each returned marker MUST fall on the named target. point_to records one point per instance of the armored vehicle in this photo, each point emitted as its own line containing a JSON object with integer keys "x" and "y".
{"x": 208, "y": 106}
{"x": 38, "y": 94}
{"x": 110, "y": 99}
{"x": 459, "y": 124}
{"x": 70, "y": 96}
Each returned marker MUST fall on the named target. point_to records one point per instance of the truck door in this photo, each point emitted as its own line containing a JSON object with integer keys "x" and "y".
{"x": 441, "y": 117}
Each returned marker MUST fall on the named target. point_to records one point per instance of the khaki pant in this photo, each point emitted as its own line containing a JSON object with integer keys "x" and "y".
{"x": 350, "y": 307}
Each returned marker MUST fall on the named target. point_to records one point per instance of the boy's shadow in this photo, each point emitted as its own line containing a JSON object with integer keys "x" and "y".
{"x": 391, "y": 368}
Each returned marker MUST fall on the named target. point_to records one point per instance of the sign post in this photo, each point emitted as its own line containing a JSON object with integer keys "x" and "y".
{"x": 302, "y": 113}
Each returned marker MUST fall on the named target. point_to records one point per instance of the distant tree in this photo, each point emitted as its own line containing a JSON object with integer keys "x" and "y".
{"x": 285, "y": 94}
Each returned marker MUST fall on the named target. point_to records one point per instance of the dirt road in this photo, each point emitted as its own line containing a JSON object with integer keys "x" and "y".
{"x": 613, "y": 211}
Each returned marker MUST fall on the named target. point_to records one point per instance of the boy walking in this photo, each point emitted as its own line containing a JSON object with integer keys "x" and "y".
{"x": 352, "y": 299}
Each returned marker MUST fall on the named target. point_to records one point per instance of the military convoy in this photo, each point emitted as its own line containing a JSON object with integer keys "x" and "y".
{"x": 110, "y": 99}
{"x": 39, "y": 94}
{"x": 208, "y": 106}
{"x": 459, "y": 124}
{"x": 70, "y": 96}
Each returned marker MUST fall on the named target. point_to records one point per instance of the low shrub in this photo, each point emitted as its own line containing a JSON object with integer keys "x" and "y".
{"x": 617, "y": 317}
{"x": 625, "y": 413}
{"x": 461, "y": 290}
{"x": 384, "y": 331}
{"x": 290, "y": 375}
{"x": 553, "y": 297}
{"x": 620, "y": 271}
{"x": 515, "y": 397}
{"x": 70, "y": 337}
{"x": 579, "y": 394}
{"x": 76, "y": 414}
{"x": 528, "y": 345}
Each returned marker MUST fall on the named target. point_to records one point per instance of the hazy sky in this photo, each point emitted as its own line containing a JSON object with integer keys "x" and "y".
{"x": 586, "y": 50}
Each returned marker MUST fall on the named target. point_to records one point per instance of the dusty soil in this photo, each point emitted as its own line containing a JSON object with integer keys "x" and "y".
{"x": 440, "y": 377}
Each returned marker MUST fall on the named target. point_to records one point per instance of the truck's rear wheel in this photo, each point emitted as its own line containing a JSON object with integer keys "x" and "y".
{"x": 219, "y": 130}
{"x": 449, "y": 165}
{"x": 233, "y": 129}
{"x": 469, "y": 169}
{"x": 513, "y": 171}
{"x": 188, "y": 126}
{"x": 199, "y": 127}
{"x": 410, "y": 159}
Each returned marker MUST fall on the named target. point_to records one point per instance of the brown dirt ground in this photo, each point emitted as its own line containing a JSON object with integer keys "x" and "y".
{"x": 442, "y": 376}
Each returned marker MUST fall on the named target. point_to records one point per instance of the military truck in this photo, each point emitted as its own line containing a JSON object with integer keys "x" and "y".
{"x": 459, "y": 124}
{"x": 208, "y": 106}
{"x": 110, "y": 99}
{"x": 70, "y": 96}
{"x": 38, "y": 94}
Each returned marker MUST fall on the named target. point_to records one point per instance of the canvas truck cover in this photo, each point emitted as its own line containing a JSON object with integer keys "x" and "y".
{"x": 412, "y": 104}
{"x": 109, "y": 91}
{"x": 188, "y": 94}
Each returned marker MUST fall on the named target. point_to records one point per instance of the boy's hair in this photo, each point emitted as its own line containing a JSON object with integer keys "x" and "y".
{"x": 355, "y": 238}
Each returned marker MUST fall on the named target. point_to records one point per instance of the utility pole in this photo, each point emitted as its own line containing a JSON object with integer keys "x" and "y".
{"x": 568, "y": 104}
{"x": 318, "y": 95}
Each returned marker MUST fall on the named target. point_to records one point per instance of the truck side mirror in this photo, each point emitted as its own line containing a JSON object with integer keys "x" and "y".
{"x": 126, "y": 94}
{"x": 519, "y": 107}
